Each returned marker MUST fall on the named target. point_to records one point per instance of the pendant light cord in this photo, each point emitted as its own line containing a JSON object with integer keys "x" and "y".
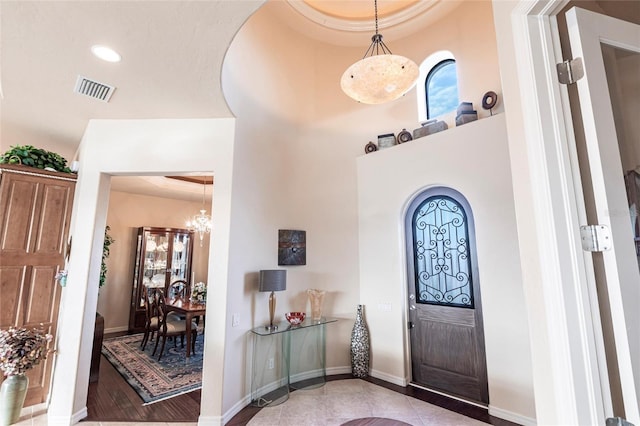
{"x": 204, "y": 189}
{"x": 375, "y": 5}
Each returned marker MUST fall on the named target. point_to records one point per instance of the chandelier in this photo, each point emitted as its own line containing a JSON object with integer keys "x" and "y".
{"x": 201, "y": 223}
{"x": 379, "y": 76}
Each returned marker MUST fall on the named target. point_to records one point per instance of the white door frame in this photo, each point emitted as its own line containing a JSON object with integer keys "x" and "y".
{"x": 570, "y": 385}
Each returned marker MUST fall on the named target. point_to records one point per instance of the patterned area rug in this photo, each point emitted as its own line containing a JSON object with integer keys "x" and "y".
{"x": 155, "y": 380}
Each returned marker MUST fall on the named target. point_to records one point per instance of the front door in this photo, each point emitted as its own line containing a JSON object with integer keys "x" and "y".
{"x": 447, "y": 338}
{"x": 608, "y": 93}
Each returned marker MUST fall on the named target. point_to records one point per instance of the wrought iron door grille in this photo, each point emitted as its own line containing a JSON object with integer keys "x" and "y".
{"x": 441, "y": 253}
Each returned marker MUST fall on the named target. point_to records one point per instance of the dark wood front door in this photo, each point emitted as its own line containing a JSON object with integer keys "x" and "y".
{"x": 447, "y": 338}
{"x": 34, "y": 212}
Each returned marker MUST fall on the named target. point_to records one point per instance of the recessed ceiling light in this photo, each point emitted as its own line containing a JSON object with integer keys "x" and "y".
{"x": 105, "y": 53}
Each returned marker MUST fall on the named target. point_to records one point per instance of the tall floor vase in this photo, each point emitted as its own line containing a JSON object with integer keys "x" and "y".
{"x": 360, "y": 345}
{"x": 12, "y": 394}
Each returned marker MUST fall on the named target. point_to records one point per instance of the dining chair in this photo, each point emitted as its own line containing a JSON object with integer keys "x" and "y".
{"x": 151, "y": 314}
{"x": 171, "y": 326}
{"x": 179, "y": 289}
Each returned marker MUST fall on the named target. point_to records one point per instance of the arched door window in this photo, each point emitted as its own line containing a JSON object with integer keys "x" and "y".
{"x": 442, "y": 269}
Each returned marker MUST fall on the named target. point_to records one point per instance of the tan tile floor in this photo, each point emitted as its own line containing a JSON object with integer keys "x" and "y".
{"x": 339, "y": 401}
{"x": 335, "y": 403}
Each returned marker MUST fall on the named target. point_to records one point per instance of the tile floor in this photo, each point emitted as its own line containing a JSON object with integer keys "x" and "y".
{"x": 335, "y": 403}
{"x": 339, "y": 401}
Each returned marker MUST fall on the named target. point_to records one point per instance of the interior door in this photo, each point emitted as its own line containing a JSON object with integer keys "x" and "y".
{"x": 447, "y": 337}
{"x": 608, "y": 95}
{"x": 35, "y": 212}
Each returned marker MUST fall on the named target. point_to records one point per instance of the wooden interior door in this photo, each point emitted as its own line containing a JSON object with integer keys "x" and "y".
{"x": 35, "y": 211}
{"x": 447, "y": 337}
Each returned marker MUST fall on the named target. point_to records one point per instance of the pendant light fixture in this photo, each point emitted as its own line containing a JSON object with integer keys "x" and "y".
{"x": 379, "y": 76}
{"x": 201, "y": 223}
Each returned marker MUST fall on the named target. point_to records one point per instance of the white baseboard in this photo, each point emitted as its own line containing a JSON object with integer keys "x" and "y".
{"x": 511, "y": 416}
{"x": 333, "y": 371}
{"x": 306, "y": 375}
{"x": 400, "y": 381}
{"x": 210, "y": 421}
{"x": 75, "y": 418}
{"x": 65, "y": 420}
{"x": 116, "y": 329}
{"x": 237, "y": 407}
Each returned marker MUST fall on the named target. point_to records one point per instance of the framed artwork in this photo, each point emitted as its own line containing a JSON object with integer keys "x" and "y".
{"x": 292, "y": 247}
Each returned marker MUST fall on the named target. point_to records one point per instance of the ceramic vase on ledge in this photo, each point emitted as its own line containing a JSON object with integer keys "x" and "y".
{"x": 12, "y": 394}
{"x": 360, "y": 345}
{"x": 316, "y": 300}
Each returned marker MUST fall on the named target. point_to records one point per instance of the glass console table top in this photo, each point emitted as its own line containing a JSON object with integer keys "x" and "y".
{"x": 284, "y": 326}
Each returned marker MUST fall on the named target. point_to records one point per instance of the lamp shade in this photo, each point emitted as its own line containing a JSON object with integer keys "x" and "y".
{"x": 379, "y": 78}
{"x": 273, "y": 280}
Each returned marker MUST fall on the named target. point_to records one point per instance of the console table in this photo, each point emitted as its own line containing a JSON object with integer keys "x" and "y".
{"x": 287, "y": 357}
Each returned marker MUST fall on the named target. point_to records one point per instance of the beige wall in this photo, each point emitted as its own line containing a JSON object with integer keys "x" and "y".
{"x": 298, "y": 141}
{"x": 207, "y": 146}
{"x": 126, "y": 213}
{"x": 388, "y": 181}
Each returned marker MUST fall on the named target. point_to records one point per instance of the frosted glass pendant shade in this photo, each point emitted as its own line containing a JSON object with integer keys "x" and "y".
{"x": 379, "y": 78}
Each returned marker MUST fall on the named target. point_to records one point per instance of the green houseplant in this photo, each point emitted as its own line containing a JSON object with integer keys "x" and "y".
{"x": 108, "y": 240}
{"x": 27, "y": 155}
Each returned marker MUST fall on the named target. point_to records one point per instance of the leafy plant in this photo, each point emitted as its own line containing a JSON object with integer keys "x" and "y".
{"x": 108, "y": 240}
{"x": 35, "y": 157}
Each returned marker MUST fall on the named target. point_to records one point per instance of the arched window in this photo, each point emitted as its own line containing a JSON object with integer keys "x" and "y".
{"x": 440, "y": 248}
{"x": 441, "y": 89}
{"x": 437, "y": 88}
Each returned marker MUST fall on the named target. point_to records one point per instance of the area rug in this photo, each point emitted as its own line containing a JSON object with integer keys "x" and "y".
{"x": 375, "y": 421}
{"x": 154, "y": 380}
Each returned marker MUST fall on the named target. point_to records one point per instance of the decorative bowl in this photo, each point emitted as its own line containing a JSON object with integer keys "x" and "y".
{"x": 295, "y": 318}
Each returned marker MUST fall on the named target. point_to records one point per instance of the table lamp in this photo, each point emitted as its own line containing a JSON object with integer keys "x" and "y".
{"x": 273, "y": 280}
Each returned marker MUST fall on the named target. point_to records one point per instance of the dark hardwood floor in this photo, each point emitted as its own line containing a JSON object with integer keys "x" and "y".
{"x": 112, "y": 399}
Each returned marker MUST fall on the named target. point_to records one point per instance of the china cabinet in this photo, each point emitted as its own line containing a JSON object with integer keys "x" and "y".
{"x": 163, "y": 255}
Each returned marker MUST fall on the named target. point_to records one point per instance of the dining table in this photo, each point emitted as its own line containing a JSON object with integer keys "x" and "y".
{"x": 190, "y": 310}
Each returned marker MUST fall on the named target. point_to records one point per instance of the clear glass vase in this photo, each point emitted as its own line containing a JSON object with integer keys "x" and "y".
{"x": 316, "y": 300}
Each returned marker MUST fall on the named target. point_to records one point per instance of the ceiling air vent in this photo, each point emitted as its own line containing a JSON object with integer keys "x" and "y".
{"x": 94, "y": 89}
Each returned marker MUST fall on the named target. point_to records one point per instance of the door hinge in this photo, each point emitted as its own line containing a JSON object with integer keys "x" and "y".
{"x": 410, "y": 325}
{"x": 570, "y": 71}
{"x": 595, "y": 238}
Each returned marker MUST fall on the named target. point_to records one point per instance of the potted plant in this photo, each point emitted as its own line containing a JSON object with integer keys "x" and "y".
{"x": 20, "y": 350}
{"x": 108, "y": 240}
{"x": 27, "y": 155}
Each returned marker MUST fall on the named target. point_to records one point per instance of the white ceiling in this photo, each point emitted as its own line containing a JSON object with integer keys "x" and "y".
{"x": 172, "y": 53}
